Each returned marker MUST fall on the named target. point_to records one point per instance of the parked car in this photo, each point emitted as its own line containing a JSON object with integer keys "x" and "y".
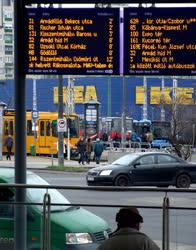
{"x": 145, "y": 169}
{"x": 160, "y": 143}
{"x": 72, "y": 228}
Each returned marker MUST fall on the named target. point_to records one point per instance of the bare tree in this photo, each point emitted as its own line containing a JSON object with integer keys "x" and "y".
{"x": 180, "y": 134}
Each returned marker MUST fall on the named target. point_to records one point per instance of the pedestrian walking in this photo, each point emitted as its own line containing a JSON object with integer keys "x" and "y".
{"x": 81, "y": 146}
{"x": 9, "y": 144}
{"x": 89, "y": 149}
{"x": 127, "y": 235}
{"x": 98, "y": 150}
{"x": 105, "y": 137}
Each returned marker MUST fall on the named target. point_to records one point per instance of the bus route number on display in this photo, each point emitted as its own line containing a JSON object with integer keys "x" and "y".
{"x": 72, "y": 41}
{"x": 159, "y": 41}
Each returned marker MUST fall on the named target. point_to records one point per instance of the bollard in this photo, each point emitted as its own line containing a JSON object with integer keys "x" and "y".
{"x": 52, "y": 158}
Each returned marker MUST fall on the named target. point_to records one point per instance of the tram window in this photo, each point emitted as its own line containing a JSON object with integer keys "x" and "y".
{"x": 29, "y": 127}
{"x": 6, "y": 128}
{"x": 54, "y": 128}
{"x": 42, "y": 128}
{"x": 73, "y": 129}
{"x": 48, "y": 128}
{"x": 11, "y": 132}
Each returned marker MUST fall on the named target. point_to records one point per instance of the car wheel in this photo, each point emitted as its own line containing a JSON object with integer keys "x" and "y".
{"x": 183, "y": 181}
{"x": 121, "y": 180}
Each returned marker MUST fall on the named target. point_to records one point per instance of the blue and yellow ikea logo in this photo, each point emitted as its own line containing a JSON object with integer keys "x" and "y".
{"x": 184, "y": 95}
{"x": 81, "y": 94}
{"x": 157, "y": 96}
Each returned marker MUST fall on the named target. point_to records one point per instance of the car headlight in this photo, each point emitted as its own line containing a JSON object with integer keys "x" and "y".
{"x": 78, "y": 238}
{"x": 106, "y": 172}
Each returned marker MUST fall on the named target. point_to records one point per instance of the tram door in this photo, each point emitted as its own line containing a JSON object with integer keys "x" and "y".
{"x": 8, "y": 129}
{"x": 44, "y": 134}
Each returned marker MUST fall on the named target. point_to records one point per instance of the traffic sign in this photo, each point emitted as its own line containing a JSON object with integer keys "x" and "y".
{"x": 62, "y": 125}
{"x": 34, "y": 114}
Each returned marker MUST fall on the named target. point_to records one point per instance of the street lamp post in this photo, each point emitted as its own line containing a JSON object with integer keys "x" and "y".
{"x": 162, "y": 100}
{"x": 69, "y": 110}
{"x": 145, "y": 111}
{"x": 2, "y": 106}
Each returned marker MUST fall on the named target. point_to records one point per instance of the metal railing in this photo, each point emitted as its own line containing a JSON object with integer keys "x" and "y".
{"x": 47, "y": 205}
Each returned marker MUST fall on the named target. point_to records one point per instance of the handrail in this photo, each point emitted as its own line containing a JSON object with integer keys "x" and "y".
{"x": 47, "y": 205}
{"x": 46, "y": 222}
{"x": 102, "y": 188}
{"x": 165, "y": 230}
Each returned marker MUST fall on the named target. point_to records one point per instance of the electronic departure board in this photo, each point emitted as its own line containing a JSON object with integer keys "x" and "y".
{"x": 160, "y": 41}
{"x": 72, "y": 41}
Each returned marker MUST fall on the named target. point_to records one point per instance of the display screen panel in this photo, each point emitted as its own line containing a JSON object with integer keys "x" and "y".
{"x": 72, "y": 41}
{"x": 160, "y": 41}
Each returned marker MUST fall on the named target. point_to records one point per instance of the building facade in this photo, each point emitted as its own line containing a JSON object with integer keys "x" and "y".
{"x": 109, "y": 92}
{"x": 6, "y": 40}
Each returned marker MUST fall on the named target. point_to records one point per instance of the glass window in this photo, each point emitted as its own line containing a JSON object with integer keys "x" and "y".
{"x": 42, "y": 128}
{"x": 9, "y": 71}
{"x": 6, "y": 195}
{"x": 54, "y": 128}
{"x": 166, "y": 159}
{"x": 125, "y": 160}
{"x": 37, "y": 195}
{"x": 7, "y": 2}
{"x": 8, "y": 38}
{"x": 29, "y": 127}
{"x": 9, "y": 59}
{"x": 48, "y": 128}
{"x": 8, "y": 128}
{"x": 74, "y": 128}
{"x": 8, "y": 15}
{"x": 74, "y": 124}
{"x": 11, "y": 132}
{"x": 146, "y": 160}
{"x": 8, "y": 50}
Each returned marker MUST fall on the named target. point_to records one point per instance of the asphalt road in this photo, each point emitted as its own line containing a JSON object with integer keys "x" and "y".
{"x": 182, "y": 222}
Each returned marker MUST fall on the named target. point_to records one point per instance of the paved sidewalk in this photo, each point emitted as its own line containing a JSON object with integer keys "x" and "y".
{"x": 43, "y": 162}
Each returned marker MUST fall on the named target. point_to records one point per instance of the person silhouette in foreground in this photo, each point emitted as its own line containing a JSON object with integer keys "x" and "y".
{"x": 127, "y": 235}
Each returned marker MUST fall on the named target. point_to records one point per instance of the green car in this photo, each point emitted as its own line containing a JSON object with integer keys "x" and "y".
{"x": 72, "y": 228}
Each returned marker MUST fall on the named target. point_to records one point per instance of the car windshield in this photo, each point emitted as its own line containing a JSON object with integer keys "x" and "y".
{"x": 125, "y": 160}
{"x": 37, "y": 195}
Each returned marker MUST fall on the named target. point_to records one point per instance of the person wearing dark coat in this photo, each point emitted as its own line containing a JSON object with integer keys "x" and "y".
{"x": 89, "y": 149}
{"x": 128, "y": 235}
{"x": 81, "y": 146}
{"x": 9, "y": 144}
{"x": 98, "y": 150}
